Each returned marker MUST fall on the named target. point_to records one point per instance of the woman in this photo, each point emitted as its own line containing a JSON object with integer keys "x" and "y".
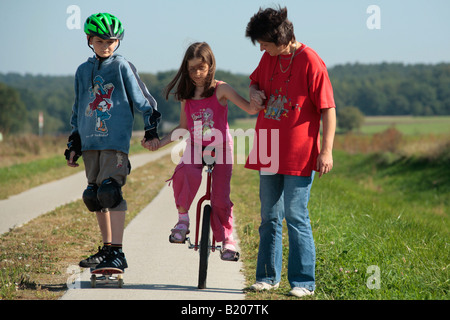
{"x": 292, "y": 82}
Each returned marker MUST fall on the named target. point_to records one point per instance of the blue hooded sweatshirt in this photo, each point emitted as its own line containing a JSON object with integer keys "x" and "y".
{"x": 106, "y": 93}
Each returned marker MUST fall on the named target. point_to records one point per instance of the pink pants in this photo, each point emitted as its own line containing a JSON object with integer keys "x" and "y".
{"x": 186, "y": 182}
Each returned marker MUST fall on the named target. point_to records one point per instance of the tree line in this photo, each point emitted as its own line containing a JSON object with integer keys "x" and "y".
{"x": 393, "y": 88}
{"x": 374, "y": 89}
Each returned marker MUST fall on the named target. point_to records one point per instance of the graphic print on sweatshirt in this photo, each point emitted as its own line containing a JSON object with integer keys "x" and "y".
{"x": 101, "y": 103}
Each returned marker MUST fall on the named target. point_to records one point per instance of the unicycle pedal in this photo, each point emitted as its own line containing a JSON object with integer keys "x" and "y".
{"x": 172, "y": 240}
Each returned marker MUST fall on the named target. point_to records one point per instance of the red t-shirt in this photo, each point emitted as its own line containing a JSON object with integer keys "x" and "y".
{"x": 287, "y": 137}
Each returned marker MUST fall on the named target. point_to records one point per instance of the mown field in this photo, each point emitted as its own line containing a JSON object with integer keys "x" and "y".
{"x": 380, "y": 219}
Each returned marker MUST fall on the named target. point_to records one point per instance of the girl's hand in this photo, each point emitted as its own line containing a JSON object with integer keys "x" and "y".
{"x": 258, "y": 97}
{"x": 255, "y": 106}
{"x": 154, "y": 144}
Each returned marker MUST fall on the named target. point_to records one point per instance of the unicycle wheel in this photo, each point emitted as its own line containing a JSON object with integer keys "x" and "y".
{"x": 205, "y": 244}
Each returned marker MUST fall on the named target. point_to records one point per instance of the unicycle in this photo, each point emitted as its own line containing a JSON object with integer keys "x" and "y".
{"x": 206, "y": 243}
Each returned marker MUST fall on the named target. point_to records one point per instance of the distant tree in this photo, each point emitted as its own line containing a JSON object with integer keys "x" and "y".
{"x": 12, "y": 110}
{"x": 350, "y": 118}
{"x": 375, "y": 89}
{"x": 393, "y": 88}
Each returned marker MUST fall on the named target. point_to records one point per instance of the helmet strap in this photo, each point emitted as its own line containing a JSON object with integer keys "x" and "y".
{"x": 118, "y": 45}
{"x": 89, "y": 39}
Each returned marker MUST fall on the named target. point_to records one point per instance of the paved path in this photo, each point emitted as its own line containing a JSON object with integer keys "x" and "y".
{"x": 158, "y": 270}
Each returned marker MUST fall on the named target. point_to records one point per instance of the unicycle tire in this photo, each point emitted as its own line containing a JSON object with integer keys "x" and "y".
{"x": 205, "y": 244}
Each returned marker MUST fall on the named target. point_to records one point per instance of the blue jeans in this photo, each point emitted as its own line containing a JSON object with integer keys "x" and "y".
{"x": 286, "y": 197}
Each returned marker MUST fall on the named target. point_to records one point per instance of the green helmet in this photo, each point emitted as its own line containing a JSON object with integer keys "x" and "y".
{"x": 104, "y": 25}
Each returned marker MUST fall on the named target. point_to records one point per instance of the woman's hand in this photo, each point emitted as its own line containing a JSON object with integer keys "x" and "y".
{"x": 324, "y": 163}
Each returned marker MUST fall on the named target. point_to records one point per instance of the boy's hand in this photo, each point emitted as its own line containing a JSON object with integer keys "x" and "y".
{"x": 70, "y": 161}
{"x": 73, "y": 151}
{"x": 151, "y": 145}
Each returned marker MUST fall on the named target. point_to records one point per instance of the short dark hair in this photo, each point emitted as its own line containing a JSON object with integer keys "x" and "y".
{"x": 271, "y": 25}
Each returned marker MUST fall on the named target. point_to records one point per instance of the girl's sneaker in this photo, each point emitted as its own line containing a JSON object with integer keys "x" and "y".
{"x": 95, "y": 259}
{"x": 115, "y": 260}
{"x": 179, "y": 232}
{"x": 229, "y": 252}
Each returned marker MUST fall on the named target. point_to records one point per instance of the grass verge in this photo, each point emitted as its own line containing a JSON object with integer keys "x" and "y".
{"x": 381, "y": 230}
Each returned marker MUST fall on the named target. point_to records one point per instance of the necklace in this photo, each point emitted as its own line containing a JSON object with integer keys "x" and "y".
{"x": 275, "y": 104}
{"x": 290, "y": 62}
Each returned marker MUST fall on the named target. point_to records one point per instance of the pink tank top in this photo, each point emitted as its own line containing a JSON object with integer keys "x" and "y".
{"x": 207, "y": 121}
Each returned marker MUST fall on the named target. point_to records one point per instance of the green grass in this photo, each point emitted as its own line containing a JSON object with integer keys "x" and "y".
{"x": 20, "y": 177}
{"x": 393, "y": 216}
{"x": 407, "y": 124}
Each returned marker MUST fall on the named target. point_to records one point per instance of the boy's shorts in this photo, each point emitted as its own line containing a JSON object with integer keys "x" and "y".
{"x": 103, "y": 164}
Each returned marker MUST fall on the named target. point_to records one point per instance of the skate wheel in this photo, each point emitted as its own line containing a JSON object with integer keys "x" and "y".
{"x": 120, "y": 280}
{"x": 93, "y": 281}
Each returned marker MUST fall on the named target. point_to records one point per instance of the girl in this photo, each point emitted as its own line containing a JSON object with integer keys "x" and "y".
{"x": 204, "y": 114}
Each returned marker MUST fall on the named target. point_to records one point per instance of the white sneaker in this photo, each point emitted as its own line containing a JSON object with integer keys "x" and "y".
{"x": 300, "y": 292}
{"x": 260, "y": 286}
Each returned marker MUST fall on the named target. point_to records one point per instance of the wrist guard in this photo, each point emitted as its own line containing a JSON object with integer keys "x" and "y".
{"x": 151, "y": 134}
{"x": 74, "y": 144}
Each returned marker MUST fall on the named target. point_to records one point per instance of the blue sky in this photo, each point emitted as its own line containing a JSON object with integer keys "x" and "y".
{"x": 37, "y": 40}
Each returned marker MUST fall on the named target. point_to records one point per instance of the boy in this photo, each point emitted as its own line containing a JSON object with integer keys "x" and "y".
{"x": 107, "y": 87}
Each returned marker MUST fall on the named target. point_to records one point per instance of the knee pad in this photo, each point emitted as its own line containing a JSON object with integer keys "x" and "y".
{"x": 109, "y": 194}
{"x": 90, "y": 198}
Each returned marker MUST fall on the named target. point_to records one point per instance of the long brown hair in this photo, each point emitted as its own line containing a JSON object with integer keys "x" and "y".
{"x": 184, "y": 86}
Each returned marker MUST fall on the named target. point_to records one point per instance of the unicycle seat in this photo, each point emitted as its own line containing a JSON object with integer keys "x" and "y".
{"x": 208, "y": 156}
